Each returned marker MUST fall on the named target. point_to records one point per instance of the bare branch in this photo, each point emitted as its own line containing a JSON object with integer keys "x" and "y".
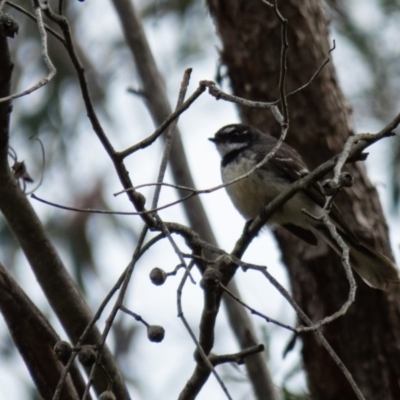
{"x": 237, "y": 358}
{"x": 283, "y": 65}
{"x": 134, "y": 315}
{"x": 308, "y": 321}
{"x": 214, "y": 91}
{"x": 195, "y": 383}
{"x": 135, "y": 198}
{"x": 35, "y": 338}
{"x": 45, "y": 56}
{"x": 126, "y": 278}
{"x": 255, "y": 312}
{"x": 33, "y": 18}
{"x": 163, "y": 167}
{"x": 97, "y": 315}
{"x": 316, "y": 73}
{"x": 160, "y": 130}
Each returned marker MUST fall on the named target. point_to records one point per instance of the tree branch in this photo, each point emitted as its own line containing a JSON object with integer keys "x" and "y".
{"x": 35, "y": 339}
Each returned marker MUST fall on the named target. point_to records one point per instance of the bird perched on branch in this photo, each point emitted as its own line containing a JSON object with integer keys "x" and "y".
{"x": 241, "y": 148}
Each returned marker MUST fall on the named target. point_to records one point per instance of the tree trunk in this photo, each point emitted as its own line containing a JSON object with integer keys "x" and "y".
{"x": 366, "y": 339}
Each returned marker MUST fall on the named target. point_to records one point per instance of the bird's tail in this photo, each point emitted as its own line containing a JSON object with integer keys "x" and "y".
{"x": 377, "y": 270}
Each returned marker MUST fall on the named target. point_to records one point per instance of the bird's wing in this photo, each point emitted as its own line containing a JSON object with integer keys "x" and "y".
{"x": 304, "y": 234}
{"x": 289, "y": 166}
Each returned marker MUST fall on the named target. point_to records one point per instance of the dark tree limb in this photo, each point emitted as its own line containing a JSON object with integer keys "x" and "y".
{"x": 8, "y": 28}
{"x": 35, "y": 339}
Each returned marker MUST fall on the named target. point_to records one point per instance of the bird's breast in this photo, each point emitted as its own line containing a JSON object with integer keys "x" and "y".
{"x": 250, "y": 194}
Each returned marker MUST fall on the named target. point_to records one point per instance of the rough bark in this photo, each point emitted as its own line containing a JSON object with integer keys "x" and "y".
{"x": 367, "y": 338}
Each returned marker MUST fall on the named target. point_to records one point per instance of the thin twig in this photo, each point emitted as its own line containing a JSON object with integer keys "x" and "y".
{"x": 32, "y": 17}
{"x": 340, "y": 364}
{"x": 255, "y": 312}
{"x": 349, "y": 274}
{"x": 214, "y": 91}
{"x": 134, "y": 315}
{"x": 92, "y": 210}
{"x": 201, "y": 352}
{"x": 283, "y": 65}
{"x": 43, "y": 167}
{"x": 135, "y": 198}
{"x": 308, "y": 321}
{"x": 97, "y": 315}
{"x": 163, "y": 167}
{"x": 169, "y": 137}
{"x": 107, "y": 212}
{"x": 166, "y": 232}
{"x": 70, "y": 47}
{"x": 237, "y": 358}
{"x": 116, "y": 306}
{"x": 159, "y": 131}
{"x": 45, "y": 56}
{"x": 316, "y": 73}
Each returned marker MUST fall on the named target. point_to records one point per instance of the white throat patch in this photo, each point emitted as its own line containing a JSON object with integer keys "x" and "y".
{"x": 227, "y": 147}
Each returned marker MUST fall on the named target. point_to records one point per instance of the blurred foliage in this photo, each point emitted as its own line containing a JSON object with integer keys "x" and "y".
{"x": 195, "y": 36}
{"x": 159, "y": 8}
{"x": 287, "y": 395}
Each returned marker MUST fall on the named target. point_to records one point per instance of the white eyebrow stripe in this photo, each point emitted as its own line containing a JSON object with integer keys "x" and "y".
{"x": 229, "y": 129}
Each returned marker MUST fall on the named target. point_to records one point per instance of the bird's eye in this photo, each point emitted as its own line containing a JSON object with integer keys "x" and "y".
{"x": 241, "y": 133}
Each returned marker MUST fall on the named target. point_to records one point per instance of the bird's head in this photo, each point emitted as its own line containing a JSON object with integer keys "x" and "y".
{"x": 233, "y": 137}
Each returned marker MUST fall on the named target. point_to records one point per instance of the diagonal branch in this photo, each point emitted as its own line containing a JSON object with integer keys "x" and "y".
{"x": 35, "y": 338}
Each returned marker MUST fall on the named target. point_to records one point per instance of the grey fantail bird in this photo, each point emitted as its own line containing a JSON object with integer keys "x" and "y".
{"x": 242, "y": 147}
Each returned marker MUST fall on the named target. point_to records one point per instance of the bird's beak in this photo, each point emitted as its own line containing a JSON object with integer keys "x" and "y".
{"x": 211, "y": 139}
